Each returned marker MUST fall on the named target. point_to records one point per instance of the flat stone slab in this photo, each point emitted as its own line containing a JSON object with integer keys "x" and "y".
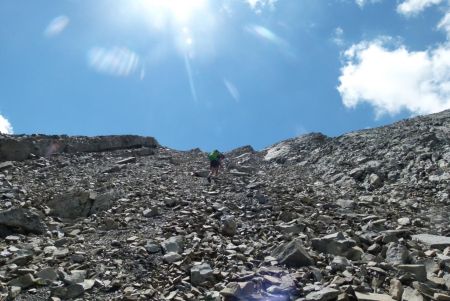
{"x": 433, "y": 241}
{"x": 373, "y": 297}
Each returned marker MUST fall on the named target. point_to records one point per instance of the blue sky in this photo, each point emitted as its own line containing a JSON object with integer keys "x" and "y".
{"x": 222, "y": 73}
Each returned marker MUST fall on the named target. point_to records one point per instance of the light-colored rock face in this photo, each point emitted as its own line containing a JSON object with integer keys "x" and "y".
{"x": 364, "y": 216}
{"x": 293, "y": 254}
{"x": 276, "y": 152}
{"x": 433, "y": 241}
{"x": 19, "y": 148}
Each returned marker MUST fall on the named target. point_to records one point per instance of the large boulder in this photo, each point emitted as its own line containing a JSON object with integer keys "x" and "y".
{"x": 325, "y": 294}
{"x": 228, "y": 225}
{"x": 433, "y": 241}
{"x": 335, "y": 244}
{"x": 22, "y": 219}
{"x": 81, "y": 203}
{"x": 173, "y": 244}
{"x": 397, "y": 253}
{"x": 201, "y": 273}
{"x": 292, "y": 254}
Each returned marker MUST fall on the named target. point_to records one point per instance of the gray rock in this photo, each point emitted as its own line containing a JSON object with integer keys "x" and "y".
{"x": 397, "y": 253}
{"x": 404, "y": 221}
{"x": 172, "y": 257}
{"x": 374, "y": 181}
{"x": 127, "y": 160}
{"x": 335, "y": 244}
{"x": 201, "y": 273}
{"x": 339, "y": 263}
{"x": 173, "y": 244}
{"x": 346, "y": 204}
{"x": 24, "y": 281}
{"x": 6, "y": 165}
{"x": 292, "y": 228}
{"x": 238, "y": 290}
{"x": 396, "y": 289}
{"x": 170, "y": 202}
{"x": 75, "y": 276}
{"x": 229, "y": 225}
{"x": 19, "y": 148}
{"x": 418, "y": 270}
{"x": 292, "y": 254}
{"x": 23, "y": 219}
{"x": 325, "y": 294}
{"x": 373, "y": 297}
{"x": 151, "y": 212}
{"x": 80, "y": 203}
{"x": 410, "y": 294}
{"x": 72, "y": 291}
{"x": 441, "y": 297}
{"x": 14, "y": 291}
{"x": 48, "y": 274}
{"x": 153, "y": 248}
{"x": 61, "y": 253}
{"x": 432, "y": 241}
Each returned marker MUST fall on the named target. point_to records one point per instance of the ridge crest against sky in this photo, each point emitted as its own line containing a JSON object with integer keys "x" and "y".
{"x": 220, "y": 74}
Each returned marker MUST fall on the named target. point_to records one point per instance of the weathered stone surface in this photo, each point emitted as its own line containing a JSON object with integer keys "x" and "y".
{"x": 238, "y": 290}
{"x": 441, "y": 297}
{"x": 229, "y": 225}
{"x": 335, "y": 244}
{"x": 69, "y": 292}
{"x": 201, "y": 273}
{"x": 172, "y": 257}
{"x": 81, "y": 203}
{"x": 397, "y": 253}
{"x": 127, "y": 160}
{"x": 173, "y": 244}
{"x": 433, "y": 241}
{"x": 410, "y": 294}
{"x": 18, "y": 148}
{"x": 24, "y": 281}
{"x": 396, "y": 289}
{"x": 292, "y": 254}
{"x": 373, "y": 297}
{"x": 418, "y": 270}
{"x": 6, "y": 165}
{"x": 48, "y": 274}
{"x": 325, "y": 294}
{"x": 23, "y": 219}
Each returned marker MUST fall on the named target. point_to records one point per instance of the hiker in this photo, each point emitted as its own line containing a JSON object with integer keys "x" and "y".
{"x": 215, "y": 161}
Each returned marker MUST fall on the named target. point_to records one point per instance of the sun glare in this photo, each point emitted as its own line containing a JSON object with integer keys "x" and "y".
{"x": 180, "y": 11}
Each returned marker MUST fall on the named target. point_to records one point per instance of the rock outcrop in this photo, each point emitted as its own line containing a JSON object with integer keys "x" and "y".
{"x": 19, "y": 148}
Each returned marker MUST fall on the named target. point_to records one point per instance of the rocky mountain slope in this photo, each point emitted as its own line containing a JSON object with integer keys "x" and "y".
{"x": 364, "y": 216}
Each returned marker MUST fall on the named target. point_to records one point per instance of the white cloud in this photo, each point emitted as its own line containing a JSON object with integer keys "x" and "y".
{"x": 444, "y": 24}
{"x": 234, "y": 92}
{"x": 56, "y": 26}
{"x": 259, "y": 5}
{"x": 393, "y": 80}
{"x": 338, "y": 37}
{"x": 117, "y": 61}
{"x": 5, "y": 126}
{"x": 361, "y": 3}
{"x": 413, "y": 7}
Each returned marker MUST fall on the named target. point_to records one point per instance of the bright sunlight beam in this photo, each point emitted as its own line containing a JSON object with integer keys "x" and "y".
{"x": 180, "y": 11}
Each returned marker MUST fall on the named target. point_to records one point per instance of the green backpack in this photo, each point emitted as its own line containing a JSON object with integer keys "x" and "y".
{"x": 214, "y": 155}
